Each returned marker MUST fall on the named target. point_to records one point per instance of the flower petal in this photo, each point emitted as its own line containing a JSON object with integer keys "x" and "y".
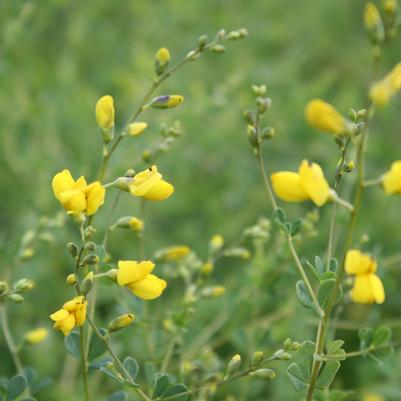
{"x": 62, "y": 182}
{"x": 130, "y": 271}
{"x": 95, "y": 193}
{"x": 314, "y": 183}
{"x": 161, "y": 190}
{"x": 287, "y": 186}
{"x": 150, "y": 287}
{"x": 359, "y": 263}
{"x": 392, "y": 179}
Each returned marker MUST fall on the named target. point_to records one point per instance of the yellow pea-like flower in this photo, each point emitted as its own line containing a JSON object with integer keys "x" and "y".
{"x": 105, "y": 112}
{"x": 308, "y": 183}
{"x": 359, "y": 263}
{"x": 150, "y": 185}
{"x": 392, "y": 179}
{"x": 323, "y": 116}
{"x": 73, "y": 313}
{"x": 76, "y": 196}
{"x": 137, "y": 128}
{"x": 137, "y": 278}
{"x": 36, "y": 336}
{"x": 368, "y": 289}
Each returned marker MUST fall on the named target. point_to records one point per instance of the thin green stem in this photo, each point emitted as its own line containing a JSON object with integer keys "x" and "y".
{"x": 84, "y": 363}
{"x": 168, "y": 354}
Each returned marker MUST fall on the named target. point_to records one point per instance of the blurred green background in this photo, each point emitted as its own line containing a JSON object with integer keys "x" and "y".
{"x": 57, "y": 57}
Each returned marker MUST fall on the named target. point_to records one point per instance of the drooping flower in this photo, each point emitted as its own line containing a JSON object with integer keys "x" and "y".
{"x": 392, "y": 179}
{"x": 36, "y": 336}
{"x": 308, "y": 183}
{"x": 325, "y": 117}
{"x": 73, "y": 313}
{"x": 77, "y": 196}
{"x": 150, "y": 185}
{"x": 105, "y": 112}
{"x": 368, "y": 287}
{"x": 137, "y": 278}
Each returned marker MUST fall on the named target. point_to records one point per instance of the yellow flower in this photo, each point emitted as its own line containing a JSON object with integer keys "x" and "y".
{"x": 150, "y": 185}
{"x": 368, "y": 288}
{"x": 137, "y": 278}
{"x": 166, "y": 101}
{"x": 137, "y": 128}
{"x": 392, "y": 179}
{"x": 371, "y": 16}
{"x": 325, "y": 117}
{"x": 76, "y": 196}
{"x": 382, "y": 91}
{"x": 105, "y": 112}
{"x": 36, "y": 336}
{"x": 73, "y": 313}
{"x": 163, "y": 55}
{"x": 136, "y": 224}
{"x": 308, "y": 183}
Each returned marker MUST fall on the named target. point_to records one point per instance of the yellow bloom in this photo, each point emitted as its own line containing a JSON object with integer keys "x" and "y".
{"x": 359, "y": 263}
{"x": 392, "y": 179}
{"x": 76, "y": 196}
{"x": 137, "y": 278}
{"x": 308, "y": 183}
{"x": 382, "y": 91}
{"x": 136, "y": 224}
{"x": 163, "y": 55}
{"x": 36, "y": 336}
{"x": 73, "y": 313}
{"x": 166, "y": 101}
{"x": 325, "y": 117}
{"x": 371, "y": 16}
{"x": 150, "y": 185}
{"x": 368, "y": 289}
{"x": 105, "y": 112}
{"x": 137, "y": 128}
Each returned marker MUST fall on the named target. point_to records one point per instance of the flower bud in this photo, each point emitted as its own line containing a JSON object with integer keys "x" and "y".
{"x": 35, "y": 336}
{"x": 243, "y": 33}
{"x": 87, "y": 283}
{"x": 105, "y": 117}
{"x": 137, "y": 128}
{"x": 216, "y": 243}
{"x": 130, "y": 222}
{"x": 72, "y": 249}
{"x": 193, "y": 55}
{"x": 89, "y": 232}
{"x": 233, "y": 35}
{"x": 373, "y": 23}
{"x": 202, "y": 41}
{"x": 166, "y": 101}
{"x": 3, "y": 287}
{"x": 218, "y": 48}
{"x": 287, "y": 343}
{"x": 207, "y": 268}
{"x": 172, "y": 253}
{"x": 249, "y": 117}
{"x": 252, "y": 135}
{"x": 264, "y": 374}
{"x": 259, "y": 90}
{"x": 390, "y": 7}
{"x": 71, "y": 279}
{"x": 233, "y": 365}
{"x": 90, "y": 246}
{"x": 17, "y": 298}
{"x": 349, "y": 166}
{"x": 26, "y": 253}
{"x": 263, "y": 104}
{"x": 267, "y": 133}
{"x": 162, "y": 59}
{"x": 213, "y": 292}
{"x": 91, "y": 259}
{"x": 121, "y": 322}
{"x": 256, "y": 359}
{"x": 24, "y": 285}
{"x": 146, "y": 156}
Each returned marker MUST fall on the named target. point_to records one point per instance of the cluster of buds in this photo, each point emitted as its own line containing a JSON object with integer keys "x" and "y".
{"x": 256, "y": 134}
{"x": 14, "y": 294}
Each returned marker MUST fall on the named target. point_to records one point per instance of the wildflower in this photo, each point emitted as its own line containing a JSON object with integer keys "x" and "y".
{"x": 368, "y": 288}
{"x": 325, "y": 117}
{"x": 150, "y": 185}
{"x": 105, "y": 112}
{"x": 137, "y": 278}
{"x": 121, "y": 322}
{"x": 173, "y": 253}
{"x": 36, "y": 336}
{"x": 308, "y": 183}
{"x": 166, "y": 101}
{"x": 137, "y": 128}
{"x": 73, "y": 313}
{"x": 77, "y": 196}
{"x": 382, "y": 91}
{"x": 162, "y": 59}
{"x": 392, "y": 179}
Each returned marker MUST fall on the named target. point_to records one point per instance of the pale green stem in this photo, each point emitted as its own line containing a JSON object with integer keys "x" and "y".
{"x": 84, "y": 363}
{"x": 373, "y": 182}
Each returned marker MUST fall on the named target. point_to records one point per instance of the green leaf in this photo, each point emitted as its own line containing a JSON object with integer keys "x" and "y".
{"x": 335, "y": 348}
{"x": 295, "y": 375}
{"x": 296, "y": 227}
{"x": 279, "y": 215}
{"x": 161, "y": 383}
{"x": 16, "y": 387}
{"x": 71, "y": 343}
{"x": 365, "y": 336}
{"x": 287, "y": 227}
{"x": 97, "y": 346}
{"x": 319, "y": 265}
{"x": 3, "y": 383}
{"x": 304, "y": 359}
{"x": 381, "y": 336}
{"x": 382, "y": 352}
{"x": 325, "y": 291}
{"x": 327, "y": 374}
{"x": 111, "y": 374}
{"x": 131, "y": 365}
{"x": 118, "y": 396}
{"x": 177, "y": 389}
{"x": 333, "y": 265}
{"x": 303, "y": 294}
{"x": 312, "y": 269}
{"x": 327, "y": 275}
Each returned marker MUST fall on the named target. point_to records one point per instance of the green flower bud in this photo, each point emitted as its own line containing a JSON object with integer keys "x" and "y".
{"x": 24, "y": 285}
{"x": 87, "y": 283}
{"x": 249, "y": 117}
{"x": 264, "y": 374}
{"x": 166, "y": 101}
{"x": 3, "y": 287}
{"x": 256, "y": 359}
{"x": 263, "y": 104}
{"x": 218, "y": 48}
{"x": 90, "y": 246}
{"x": 193, "y": 55}
{"x": 233, "y": 365}
{"x": 202, "y": 41}
{"x": 91, "y": 259}
{"x": 17, "y": 298}
{"x": 121, "y": 322}
{"x": 268, "y": 133}
{"x": 89, "y": 232}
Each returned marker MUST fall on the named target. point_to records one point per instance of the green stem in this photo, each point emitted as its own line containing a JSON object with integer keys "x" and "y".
{"x": 84, "y": 363}
{"x": 168, "y": 355}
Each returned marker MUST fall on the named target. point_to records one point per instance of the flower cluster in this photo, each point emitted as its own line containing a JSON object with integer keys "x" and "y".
{"x": 368, "y": 288}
